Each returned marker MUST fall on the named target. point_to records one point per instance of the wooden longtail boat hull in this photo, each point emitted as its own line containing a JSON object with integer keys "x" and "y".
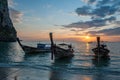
{"x": 58, "y": 52}
{"x": 61, "y": 53}
{"x": 100, "y": 51}
{"x": 28, "y": 49}
{"x": 31, "y": 50}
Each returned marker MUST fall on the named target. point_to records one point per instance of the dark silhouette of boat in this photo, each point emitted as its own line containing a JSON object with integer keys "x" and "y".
{"x": 89, "y": 42}
{"x": 61, "y": 50}
{"x": 41, "y": 48}
{"x": 101, "y": 50}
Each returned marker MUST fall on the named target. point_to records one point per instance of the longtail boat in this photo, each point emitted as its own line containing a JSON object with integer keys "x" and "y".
{"x": 41, "y": 48}
{"x": 58, "y": 52}
{"x": 101, "y": 50}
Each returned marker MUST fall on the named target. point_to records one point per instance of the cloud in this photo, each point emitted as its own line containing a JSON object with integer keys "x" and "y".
{"x": 93, "y": 23}
{"x": 108, "y": 32}
{"x": 98, "y": 12}
{"x": 103, "y": 13}
{"x": 89, "y": 1}
{"x": 15, "y": 15}
{"x": 84, "y": 10}
{"x": 108, "y": 2}
{"x": 11, "y": 3}
{"x": 101, "y": 9}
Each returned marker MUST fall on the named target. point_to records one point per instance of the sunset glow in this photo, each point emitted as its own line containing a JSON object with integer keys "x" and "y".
{"x": 87, "y": 37}
{"x": 65, "y": 21}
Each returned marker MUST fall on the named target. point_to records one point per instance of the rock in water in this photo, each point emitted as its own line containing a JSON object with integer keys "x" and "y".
{"x": 7, "y": 31}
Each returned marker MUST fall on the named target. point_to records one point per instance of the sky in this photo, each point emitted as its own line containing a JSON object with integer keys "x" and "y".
{"x": 67, "y": 19}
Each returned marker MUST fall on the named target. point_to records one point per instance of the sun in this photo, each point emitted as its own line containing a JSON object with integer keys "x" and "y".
{"x": 87, "y": 37}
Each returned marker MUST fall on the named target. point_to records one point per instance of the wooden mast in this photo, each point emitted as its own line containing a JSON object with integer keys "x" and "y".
{"x": 98, "y": 43}
{"x": 52, "y": 45}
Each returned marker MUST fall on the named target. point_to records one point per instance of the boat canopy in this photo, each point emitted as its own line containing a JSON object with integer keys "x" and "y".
{"x": 43, "y": 46}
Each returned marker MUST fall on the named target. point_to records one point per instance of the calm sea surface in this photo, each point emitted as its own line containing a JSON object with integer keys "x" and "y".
{"x": 16, "y": 65}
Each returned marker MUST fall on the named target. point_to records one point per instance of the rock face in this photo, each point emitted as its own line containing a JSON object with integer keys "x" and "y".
{"x": 7, "y": 31}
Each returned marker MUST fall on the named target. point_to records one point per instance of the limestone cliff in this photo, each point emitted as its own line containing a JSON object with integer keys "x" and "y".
{"x": 7, "y": 31}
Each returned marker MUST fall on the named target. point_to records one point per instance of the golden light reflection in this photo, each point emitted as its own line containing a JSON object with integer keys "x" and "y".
{"x": 86, "y": 64}
{"x": 87, "y": 47}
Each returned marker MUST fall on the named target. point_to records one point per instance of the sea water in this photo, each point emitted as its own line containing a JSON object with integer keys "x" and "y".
{"x": 16, "y": 65}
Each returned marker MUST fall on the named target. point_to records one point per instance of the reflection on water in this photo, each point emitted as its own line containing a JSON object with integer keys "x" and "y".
{"x": 87, "y": 47}
{"x": 14, "y": 65}
{"x": 58, "y": 69}
{"x": 10, "y": 52}
{"x": 9, "y": 73}
{"x": 61, "y": 71}
{"x": 99, "y": 62}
